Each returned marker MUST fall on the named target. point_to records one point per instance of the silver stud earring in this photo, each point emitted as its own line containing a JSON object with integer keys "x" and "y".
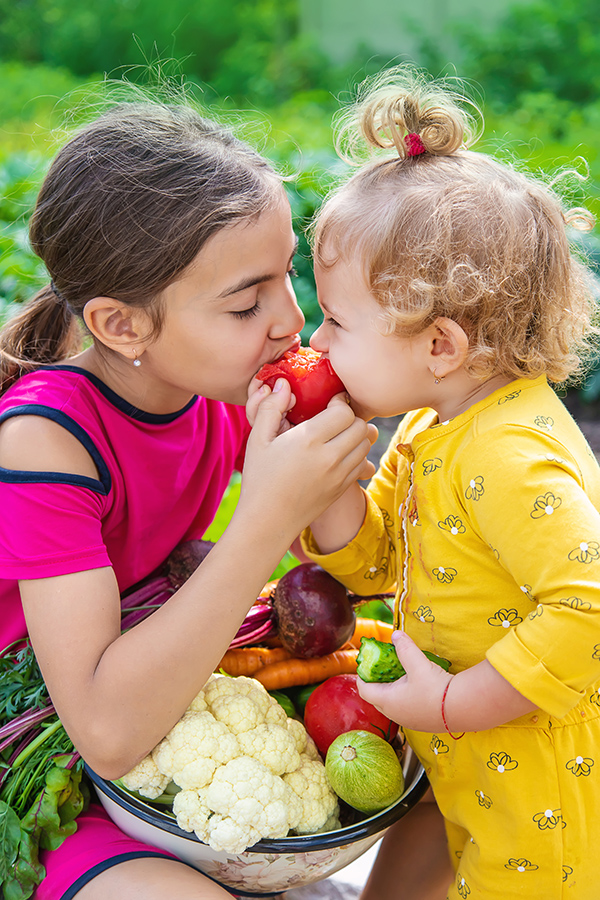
{"x": 137, "y": 362}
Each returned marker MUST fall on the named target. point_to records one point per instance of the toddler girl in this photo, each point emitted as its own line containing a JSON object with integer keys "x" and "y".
{"x": 450, "y": 294}
{"x": 172, "y": 242}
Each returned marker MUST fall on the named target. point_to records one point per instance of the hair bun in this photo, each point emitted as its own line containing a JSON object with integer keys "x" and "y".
{"x": 401, "y": 102}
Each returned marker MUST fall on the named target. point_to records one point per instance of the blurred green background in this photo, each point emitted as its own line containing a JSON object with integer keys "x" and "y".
{"x": 277, "y": 70}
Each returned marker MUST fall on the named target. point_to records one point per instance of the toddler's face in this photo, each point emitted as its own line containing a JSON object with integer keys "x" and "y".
{"x": 383, "y": 374}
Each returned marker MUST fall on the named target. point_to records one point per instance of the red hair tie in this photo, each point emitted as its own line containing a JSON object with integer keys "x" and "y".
{"x": 414, "y": 144}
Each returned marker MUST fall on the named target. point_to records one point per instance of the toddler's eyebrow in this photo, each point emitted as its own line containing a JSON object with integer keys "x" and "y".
{"x": 254, "y": 279}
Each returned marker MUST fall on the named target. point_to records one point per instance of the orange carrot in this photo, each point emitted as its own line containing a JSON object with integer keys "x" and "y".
{"x": 371, "y": 628}
{"x": 248, "y": 660}
{"x": 290, "y": 672}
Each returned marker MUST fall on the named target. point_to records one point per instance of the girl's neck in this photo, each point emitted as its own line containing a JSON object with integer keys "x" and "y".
{"x": 125, "y": 379}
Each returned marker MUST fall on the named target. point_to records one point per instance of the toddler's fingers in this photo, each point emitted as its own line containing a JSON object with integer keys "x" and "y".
{"x": 375, "y": 693}
{"x": 412, "y": 658}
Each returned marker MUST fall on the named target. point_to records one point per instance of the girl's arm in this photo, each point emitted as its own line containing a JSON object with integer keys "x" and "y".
{"x": 477, "y": 698}
{"x": 119, "y": 694}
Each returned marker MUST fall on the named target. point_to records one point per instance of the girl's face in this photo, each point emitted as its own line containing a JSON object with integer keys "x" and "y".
{"x": 232, "y": 310}
{"x": 383, "y": 374}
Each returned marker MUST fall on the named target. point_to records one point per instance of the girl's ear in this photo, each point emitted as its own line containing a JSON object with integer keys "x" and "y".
{"x": 115, "y": 325}
{"x": 448, "y": 347}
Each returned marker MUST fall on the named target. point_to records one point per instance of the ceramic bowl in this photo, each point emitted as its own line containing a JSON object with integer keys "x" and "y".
{"x": 270, "y": 867}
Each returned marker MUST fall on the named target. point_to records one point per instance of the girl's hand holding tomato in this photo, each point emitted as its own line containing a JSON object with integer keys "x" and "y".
{"x": 336, "y": 707}
{"x": 294, "y": 475}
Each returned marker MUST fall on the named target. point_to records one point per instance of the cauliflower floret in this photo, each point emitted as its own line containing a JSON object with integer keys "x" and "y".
{"x": 192, "y": 813}
{"x": 251, "y": 803}
{"x": 192, "y": 750}
{"x": 272, "y": 745}
{"x": 311, "y": 750}
{"x": 319, "y": 801}
{"x": 276, "y": 714}
{"x": 222, "y": 686}
{"x": 298, "y": 733}
{"x": 146, "y": 779}
{"x": 239, "y": 713}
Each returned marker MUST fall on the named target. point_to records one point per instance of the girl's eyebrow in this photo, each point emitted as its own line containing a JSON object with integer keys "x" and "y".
{"x": 251, "y": 280}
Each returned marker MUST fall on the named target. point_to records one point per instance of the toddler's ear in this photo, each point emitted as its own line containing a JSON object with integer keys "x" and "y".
{"x": 449, "y": 346}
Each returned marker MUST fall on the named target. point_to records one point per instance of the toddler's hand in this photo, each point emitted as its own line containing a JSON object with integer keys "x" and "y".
{"x": 415, "y": 700}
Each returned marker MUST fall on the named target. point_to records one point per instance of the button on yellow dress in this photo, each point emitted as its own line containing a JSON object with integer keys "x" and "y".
{"x": 488, "y": 525}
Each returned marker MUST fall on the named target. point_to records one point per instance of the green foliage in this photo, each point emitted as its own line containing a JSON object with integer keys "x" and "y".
{"x": 552, "y": 48}
{"x": 21, "y": 272}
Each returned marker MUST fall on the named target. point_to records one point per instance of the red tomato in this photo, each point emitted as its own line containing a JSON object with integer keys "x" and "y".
{"x": 311, "y": 378}
{"x": 336, "y": 707}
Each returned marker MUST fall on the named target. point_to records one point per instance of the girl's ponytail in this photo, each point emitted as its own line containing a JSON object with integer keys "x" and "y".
{"x": 45, "y": 331}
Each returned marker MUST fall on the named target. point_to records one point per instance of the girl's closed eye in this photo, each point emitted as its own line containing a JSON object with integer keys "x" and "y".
{"x": 333, "y": 322}
{"x": 292, "y": 272}
{"x": 246, "y": 313}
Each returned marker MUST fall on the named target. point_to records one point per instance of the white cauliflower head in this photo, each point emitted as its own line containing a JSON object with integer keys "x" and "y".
{"x": 146, "y": 779}
{"x": 251, "y": 802}
{"x": 192, "y": 813}
{"x": 272, "y": 745}
{"x": 319, "y": 802}
{"x": 194, "y": 748}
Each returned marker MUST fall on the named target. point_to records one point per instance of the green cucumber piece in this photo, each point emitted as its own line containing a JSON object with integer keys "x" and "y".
{"x": 378, "y": 661}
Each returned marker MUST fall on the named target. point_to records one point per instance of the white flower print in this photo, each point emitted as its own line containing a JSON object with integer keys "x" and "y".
{"x": 505, "y": 618}
{"x": 545, "y": 505}
{"x": 475, "y": 490}
{"x": 549, "y": 818}
{"x": 501, "y": 762}
{"x": 424, "y": 614}
{"x": 453, "y": 525}
{"x": 586, "y": 552}
{"x": 445, "y": 574}
{"x": 430, "y": 465}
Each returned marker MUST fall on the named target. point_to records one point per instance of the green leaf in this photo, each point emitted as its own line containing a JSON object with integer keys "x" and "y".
{"x": 27, "y": 873}
{"x": 10, "y": 838}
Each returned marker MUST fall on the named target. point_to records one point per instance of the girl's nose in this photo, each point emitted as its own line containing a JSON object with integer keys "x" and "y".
{"x": 317, "y": 340}
{"x": 290, "y": 320}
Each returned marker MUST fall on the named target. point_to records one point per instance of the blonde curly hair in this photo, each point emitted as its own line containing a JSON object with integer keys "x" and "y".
{"x": 456, "y": 233}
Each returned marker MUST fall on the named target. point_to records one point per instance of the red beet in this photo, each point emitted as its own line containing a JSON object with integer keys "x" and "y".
{"x": 313, "y": 612}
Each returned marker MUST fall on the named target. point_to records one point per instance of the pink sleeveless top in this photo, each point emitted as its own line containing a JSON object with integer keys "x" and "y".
{"x": 160, "y": 481}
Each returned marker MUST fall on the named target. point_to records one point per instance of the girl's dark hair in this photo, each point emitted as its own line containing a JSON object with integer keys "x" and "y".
{"x": 125, "y": 207}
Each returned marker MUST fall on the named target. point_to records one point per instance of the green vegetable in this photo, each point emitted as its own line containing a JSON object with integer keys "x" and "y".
{"x": 300, "y": 695}
{"x": 378, "y": 661}
{"x": 364, "y": 770}
{"x": 285, "y": 702}
{"x": 41, "y": 793}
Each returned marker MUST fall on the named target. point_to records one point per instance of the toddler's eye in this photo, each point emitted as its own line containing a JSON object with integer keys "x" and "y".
{"x": 246, "y": 313}
{"x": 292, "y": 272}
{"x": 332, "y": 322}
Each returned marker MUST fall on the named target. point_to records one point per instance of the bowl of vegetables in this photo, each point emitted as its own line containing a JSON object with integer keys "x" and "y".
{"x": 271, "y": 866}
{"x": 242, "y": 786}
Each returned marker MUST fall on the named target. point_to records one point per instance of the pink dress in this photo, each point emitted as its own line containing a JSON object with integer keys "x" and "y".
{"x": 160, "y": 481}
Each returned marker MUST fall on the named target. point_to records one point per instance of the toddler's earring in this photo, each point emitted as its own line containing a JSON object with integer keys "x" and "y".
{"x": 137, "y": 362}
{"x": 437, "y": 378}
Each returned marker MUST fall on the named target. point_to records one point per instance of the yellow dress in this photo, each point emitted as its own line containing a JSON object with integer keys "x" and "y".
{"x": 489, "y": 526}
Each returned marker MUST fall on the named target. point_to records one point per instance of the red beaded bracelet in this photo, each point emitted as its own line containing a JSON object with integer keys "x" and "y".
{"x": 454, "y": 737}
